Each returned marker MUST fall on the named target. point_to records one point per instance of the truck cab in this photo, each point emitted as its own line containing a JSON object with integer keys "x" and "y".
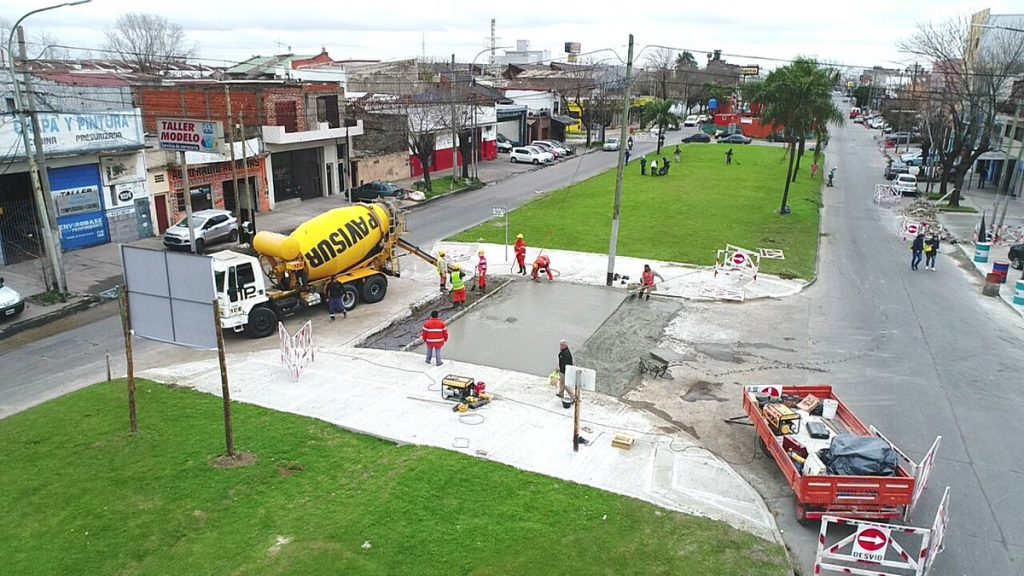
{"x": 240, "y": 286}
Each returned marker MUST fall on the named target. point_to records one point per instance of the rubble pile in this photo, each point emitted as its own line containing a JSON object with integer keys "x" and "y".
{"x": 927, "y": 213}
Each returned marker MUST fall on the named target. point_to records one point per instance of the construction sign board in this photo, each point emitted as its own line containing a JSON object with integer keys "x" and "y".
{"x": 772, "y": 254}
{"x": 296, "y": 349}
{"x": 720, "y": 293}
{"x": 886, "y": 194}
{"x": 878, "y": 549}
{"x": 773, "y": 391}
{"x": 739, "y": 260}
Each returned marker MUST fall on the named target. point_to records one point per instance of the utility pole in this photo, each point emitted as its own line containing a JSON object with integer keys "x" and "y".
{"x": 249, "y": 197}
{"x": 621, "y": 168}
{"x": 234, "y": 169}
{"x": 1004, "y": 179}
{"x": 455, "y": 149}
{"x": 45, "y": 209}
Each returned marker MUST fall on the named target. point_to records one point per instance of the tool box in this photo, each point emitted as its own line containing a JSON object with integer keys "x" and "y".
{"x": 457, "y": 388}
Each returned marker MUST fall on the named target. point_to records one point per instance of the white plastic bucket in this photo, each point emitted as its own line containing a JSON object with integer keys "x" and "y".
{"x": 829, "y": 408}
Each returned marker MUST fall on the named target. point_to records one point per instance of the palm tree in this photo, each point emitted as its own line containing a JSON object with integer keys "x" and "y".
{"x": 660, "y": 112}
{"x": 798, "y": 98}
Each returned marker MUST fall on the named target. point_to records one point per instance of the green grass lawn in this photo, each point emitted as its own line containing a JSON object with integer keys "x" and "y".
{"x": 83, "y": 496}
{"x": 685, "y": 217}
{"x": 443, "y": 185}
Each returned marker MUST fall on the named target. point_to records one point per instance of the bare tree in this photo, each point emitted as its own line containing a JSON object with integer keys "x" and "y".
{"x": 147, "y": 42}
{"x": 660, "y": 66}
{"x": 974, "y": 69}
{"x": 49, "y": 47}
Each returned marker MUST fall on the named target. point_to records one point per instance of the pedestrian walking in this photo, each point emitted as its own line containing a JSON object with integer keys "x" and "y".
{"x": 627, "y": 157}
{"x": 643, "y": 165}
{"x": 917, "y": 250}
{"x": 520, "y": 249}
{"x": 814, "y": 169}
{"x": 442, "y": 269}
{"x": 435, "y": 334}
{"x": 335, "y": 295}
{"x": 564, "y": 360}
{"x": 647, "y": 281}
{"x": 481, "y": 271}
{"x": 677, "y": 154}
{"x": 931, "y": 250}
{"x": 654, "y": 167}
{"x": 542, "y": 263}
{"x": 458, "y": 287}
{"x": 728, "y": 157}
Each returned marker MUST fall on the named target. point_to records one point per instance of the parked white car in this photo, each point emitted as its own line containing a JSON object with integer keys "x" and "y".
{"x": 562, "y": 147}
{"x": 906, "y": 184}
{"x": 208, "y": 226}
{"x": 691, "y": 120}
{"x": 11, "y": 303}
{"x": 530, "y": 155}
{"x": 610, "y": 145}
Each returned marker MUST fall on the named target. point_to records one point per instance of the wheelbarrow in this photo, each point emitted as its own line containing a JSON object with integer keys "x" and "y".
{"x": 651, "y": 364}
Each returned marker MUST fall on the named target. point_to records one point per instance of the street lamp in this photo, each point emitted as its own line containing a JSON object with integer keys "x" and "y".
{"x": 474, "y": 141}
{"x": 44, "y": 206}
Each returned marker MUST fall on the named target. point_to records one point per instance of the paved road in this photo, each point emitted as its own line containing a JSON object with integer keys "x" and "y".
{"x": 927, "y": 355}
{"x": 440, "y": 219}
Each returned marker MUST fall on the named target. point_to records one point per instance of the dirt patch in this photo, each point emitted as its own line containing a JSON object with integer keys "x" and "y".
{"x": 614, "y": 350}
{"x": 289, "y": 469}
{"x": 407, "y": 330}
{"x": 650, "y": 407}
{"x": 239, "y": 460}
{"x": 703, "y": 391}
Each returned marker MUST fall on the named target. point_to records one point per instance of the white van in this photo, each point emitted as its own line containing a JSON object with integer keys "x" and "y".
{"x": 691, "y": 120}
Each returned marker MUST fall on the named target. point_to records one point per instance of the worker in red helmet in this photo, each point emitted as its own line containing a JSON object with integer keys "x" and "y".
{"x": 481, "y": 271}
{"x": 521, "y": 253}
{"x": 542, "y": 263}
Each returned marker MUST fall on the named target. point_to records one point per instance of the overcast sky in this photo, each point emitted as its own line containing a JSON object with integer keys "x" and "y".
{"x": 858, "y": 34}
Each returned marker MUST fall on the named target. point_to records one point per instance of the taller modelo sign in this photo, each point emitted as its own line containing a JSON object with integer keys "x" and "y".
{"x": 190, "y": 135}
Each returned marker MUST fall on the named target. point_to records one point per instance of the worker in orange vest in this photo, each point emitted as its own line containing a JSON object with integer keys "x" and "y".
{"x": 481, "y": 271}
{"x": 647, "y": 281}
{"x": 542, "y": 263}
{"x": 435, "y": 334}
{"x": 521, "y": 253}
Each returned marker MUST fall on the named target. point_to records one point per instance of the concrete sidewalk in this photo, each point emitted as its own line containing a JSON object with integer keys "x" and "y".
{"x": 963, "y": 225}
{"x": 680, "y": 280}
{"x": 394, "y": 395}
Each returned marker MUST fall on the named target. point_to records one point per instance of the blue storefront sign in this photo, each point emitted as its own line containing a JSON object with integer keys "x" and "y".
{"x": 82, "y": 231}
{"x": 80, "y": 215}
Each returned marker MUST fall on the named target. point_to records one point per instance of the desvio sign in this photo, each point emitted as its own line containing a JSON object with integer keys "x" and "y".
{"x": 190, "y": 135}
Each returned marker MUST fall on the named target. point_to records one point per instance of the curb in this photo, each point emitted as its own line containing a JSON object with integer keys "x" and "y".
{"x": 84, "y": 304}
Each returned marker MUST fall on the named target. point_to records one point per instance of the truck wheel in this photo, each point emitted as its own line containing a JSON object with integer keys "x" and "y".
{"x": 374, "y": 289}
{"x": 262, "y": 323}
{"x": 801, "y": 515}
{"x": 350, "y": 298}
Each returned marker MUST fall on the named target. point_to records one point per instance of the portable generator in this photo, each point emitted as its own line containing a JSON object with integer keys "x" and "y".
{"x": 781, "y": 419}
{"x": 457, "y": 388}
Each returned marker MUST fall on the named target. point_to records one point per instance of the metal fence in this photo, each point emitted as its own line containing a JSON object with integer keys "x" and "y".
{"x": 20, "y": 237}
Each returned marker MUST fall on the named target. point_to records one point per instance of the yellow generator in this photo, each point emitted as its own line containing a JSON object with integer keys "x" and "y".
{"x": 782, "y": 419}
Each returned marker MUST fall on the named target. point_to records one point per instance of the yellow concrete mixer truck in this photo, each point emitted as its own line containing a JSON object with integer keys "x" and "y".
{"x": 358, "y": 244}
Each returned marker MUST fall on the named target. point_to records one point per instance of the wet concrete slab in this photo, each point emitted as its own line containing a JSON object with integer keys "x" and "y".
{"x": 520, "y": 327}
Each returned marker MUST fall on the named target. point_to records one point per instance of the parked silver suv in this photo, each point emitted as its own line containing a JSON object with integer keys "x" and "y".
{"x": 208, "y": 226}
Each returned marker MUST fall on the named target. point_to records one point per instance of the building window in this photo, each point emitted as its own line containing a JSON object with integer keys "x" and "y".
{"x": 10, "y": 105}
{"x": 327, "y": 110}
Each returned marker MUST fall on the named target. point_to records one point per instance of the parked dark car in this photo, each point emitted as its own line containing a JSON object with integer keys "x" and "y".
{"x": 893, "y": 169}
{"x": 378, "y": 189}
{"x": 735, "y": 139}
{"x": 696, "y": 137}
{"x": 777, "y": 137}
{"x": 1016, "y": 256}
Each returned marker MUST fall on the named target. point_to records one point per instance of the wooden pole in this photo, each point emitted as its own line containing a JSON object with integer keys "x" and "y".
{"x": 126, "y": 323}
{"x": 229, "y": 436}
{"x": 576, "y": 420}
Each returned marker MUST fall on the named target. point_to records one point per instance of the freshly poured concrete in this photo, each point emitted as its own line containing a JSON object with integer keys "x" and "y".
{"x": 519, "y": 327}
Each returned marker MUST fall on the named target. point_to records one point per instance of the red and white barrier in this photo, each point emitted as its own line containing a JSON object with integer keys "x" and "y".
{"x": 297, "y": 349}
